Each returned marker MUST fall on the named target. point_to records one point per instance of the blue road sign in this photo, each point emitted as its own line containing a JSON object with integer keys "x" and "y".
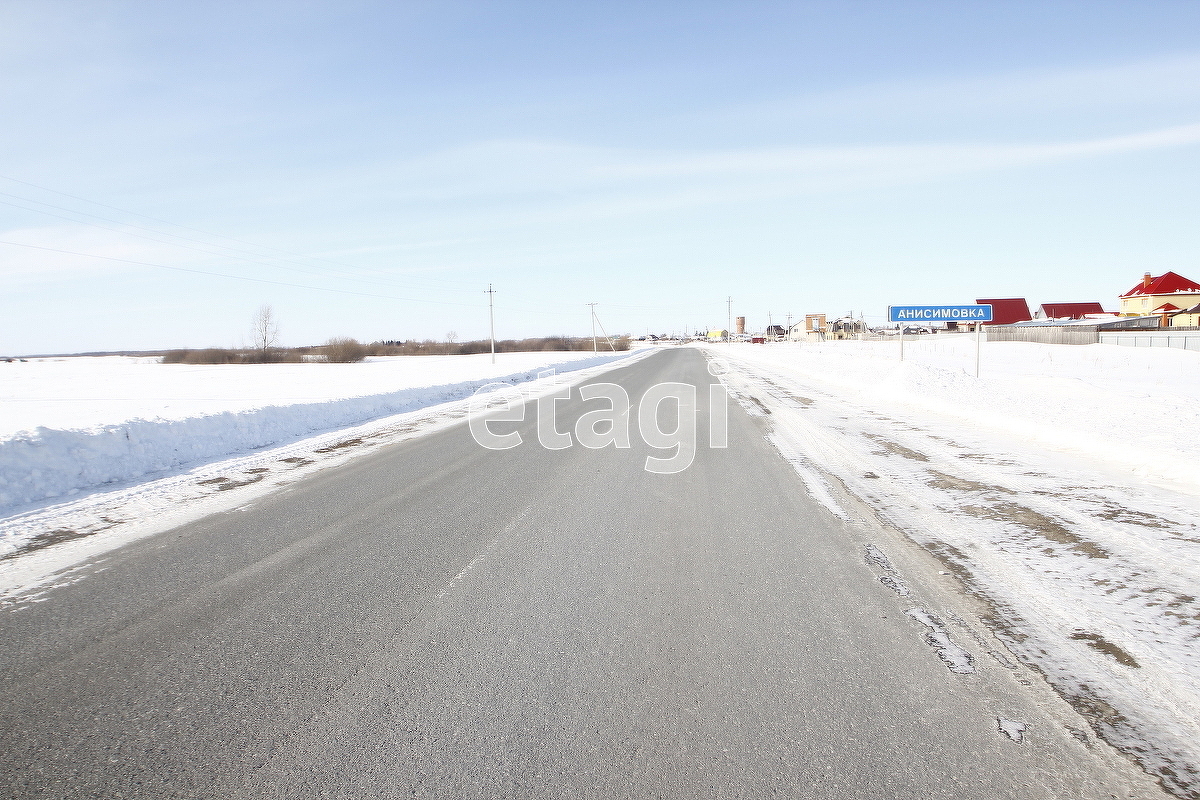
{"x": 940, "y": 313}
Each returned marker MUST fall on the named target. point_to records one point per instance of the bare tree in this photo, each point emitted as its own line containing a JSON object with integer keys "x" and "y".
{"x": 451, "y": 338}
{"x": 264, "y": 331}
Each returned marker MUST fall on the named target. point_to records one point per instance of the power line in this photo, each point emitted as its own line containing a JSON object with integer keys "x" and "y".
{"x": 201, "y": 250}
{"x": 607, "y": 338}
{"x": 235, "y": 277}
{"x": 460, "y": 286}
{"x": 275, "y": 262}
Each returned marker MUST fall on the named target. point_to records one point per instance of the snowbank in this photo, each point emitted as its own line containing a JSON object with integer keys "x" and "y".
{"x": 75, "y": 423}
{"x": 1134, "y": 408}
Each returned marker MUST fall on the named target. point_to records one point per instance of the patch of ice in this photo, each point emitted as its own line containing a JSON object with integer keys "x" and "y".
{"x": 876, "y": 556}
{"x": 818, "y": 489}
{"x": 1013, "y": 730}
{"x": 956, "y": 658}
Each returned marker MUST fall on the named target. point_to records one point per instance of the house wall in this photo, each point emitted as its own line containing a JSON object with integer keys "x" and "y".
{"x": 1145, "y": 304}
{"x": 1185, "y": 320}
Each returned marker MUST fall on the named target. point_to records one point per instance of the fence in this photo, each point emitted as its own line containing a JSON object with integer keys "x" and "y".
{"x": 1183, "y": 338}
{"x": 1044, "y": 334}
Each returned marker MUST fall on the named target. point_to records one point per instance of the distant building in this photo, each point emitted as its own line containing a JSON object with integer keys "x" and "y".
{"x": 776, "y": 333}
{"x": 1007, "y": 310}
{"x": 1154, "y": 295}
{"x": 811, "y": 329}
{"x": 846, "y": 328}
{"x": 1188, "y": 318}
{"x": 1069, "y": 310}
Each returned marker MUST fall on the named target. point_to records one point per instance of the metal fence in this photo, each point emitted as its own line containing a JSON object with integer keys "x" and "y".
{"x": 1183, "y": 338}
{"x": 1043, "y": 334}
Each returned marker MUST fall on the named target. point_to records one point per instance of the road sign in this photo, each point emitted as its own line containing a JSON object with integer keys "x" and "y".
{"x": 921, "y": 314}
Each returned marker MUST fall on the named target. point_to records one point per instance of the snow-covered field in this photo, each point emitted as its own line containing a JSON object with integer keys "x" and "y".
{"x": 72, "y": 424}
{"x": 1061, "y": 488}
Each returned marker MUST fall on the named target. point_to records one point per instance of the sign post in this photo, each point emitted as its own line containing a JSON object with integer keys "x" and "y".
{"x": 978, "y": 339}
{"x": 977, "y": 314}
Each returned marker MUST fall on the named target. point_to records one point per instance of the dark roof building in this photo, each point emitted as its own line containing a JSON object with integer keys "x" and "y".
{"x": 1008, "y": 310}
{"x": 1070, "y": 310}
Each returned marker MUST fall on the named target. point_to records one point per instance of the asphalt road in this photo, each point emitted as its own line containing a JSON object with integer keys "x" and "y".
{"x": 436, "y": 619}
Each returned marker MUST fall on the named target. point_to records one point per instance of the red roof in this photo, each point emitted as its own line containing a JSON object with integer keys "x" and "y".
{"x": 1007, "y": 310}
{"x": 1167, "y": 283}
{"x": 1167, "y": 307}
{"x": 1070, "y": 310}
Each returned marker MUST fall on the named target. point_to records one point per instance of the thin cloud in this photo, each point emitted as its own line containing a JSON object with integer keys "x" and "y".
{"x": 521, "y": 177}
{"x": 1170, "y": 83}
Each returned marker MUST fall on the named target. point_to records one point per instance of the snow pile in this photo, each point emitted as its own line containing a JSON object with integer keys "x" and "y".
{"x": 1132, "y": 407}
{"x": 74, "y": 423}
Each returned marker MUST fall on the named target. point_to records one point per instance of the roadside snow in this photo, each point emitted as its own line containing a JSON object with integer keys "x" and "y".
{"x": 72, "y": 424}
{"x": 1061, "y": 488}
{"x": 57, "y": 545}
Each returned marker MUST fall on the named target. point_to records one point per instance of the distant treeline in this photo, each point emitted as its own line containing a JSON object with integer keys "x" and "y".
{"x": 345, "y": 350}
{"x": 430, "y": 347}
{"x": 224, "y": 355}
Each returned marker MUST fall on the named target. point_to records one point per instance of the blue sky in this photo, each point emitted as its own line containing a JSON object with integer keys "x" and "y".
{"x": 369, "y": 168}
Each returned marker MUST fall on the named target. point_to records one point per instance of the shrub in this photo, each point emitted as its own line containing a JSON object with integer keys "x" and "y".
{"x": 344, "y": 350}
{"x": 268, "y": 356}
{"x": 209, "y": 355}
{"x": 544, "y": 343}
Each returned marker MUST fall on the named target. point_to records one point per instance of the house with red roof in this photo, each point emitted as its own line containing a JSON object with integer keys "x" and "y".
{"x": 1007, "y": 310}
{"x": 1164, "y": 295}
{"x": 1070, "y": 310}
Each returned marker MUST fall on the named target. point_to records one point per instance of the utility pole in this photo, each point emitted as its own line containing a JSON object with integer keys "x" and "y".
{"x": 492, "y": 317}
{"x": 595, "y": 349}
{"x": 729, "y": 317}
{"x": 607, "y": 338}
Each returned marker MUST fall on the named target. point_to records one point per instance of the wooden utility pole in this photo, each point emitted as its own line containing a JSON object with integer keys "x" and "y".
{"x": 492, "y": 319}
{"x": 595, "y": 349}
